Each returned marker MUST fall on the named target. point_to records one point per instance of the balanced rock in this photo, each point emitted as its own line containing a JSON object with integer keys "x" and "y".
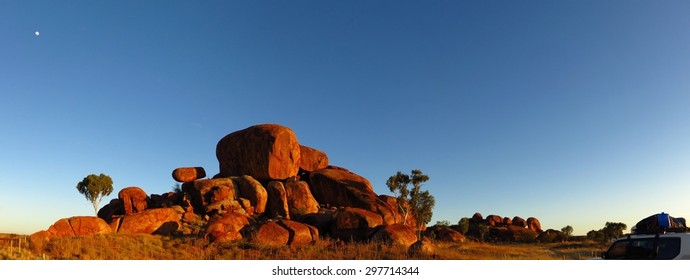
{"x": 266, "y": 152}
{"x": 188, "y": 174}
{"x": 134, "y": 200}
{"x": 312, "y": 159}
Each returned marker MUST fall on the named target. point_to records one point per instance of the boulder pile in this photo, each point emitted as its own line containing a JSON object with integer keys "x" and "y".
{"x": 270, "y": 190}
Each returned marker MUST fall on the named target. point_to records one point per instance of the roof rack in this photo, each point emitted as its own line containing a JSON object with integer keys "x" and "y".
{"x": 659, "y": 224}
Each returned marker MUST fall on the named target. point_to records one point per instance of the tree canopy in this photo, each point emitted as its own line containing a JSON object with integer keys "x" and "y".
{"x": 95, "y": 187}
{"x": 415, "y": 201}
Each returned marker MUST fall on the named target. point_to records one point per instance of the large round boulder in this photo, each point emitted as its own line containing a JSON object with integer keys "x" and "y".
{"x": 534, "y": 224}
{"x": 134, "y": 200}
{"x": 266, "y": 152}
{"x": 519, "y": 222}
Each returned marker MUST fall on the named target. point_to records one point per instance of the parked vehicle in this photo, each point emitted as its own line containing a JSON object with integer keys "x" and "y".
{"x": 658, "y": 237}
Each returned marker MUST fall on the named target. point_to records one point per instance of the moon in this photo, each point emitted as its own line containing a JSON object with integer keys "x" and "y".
{"x": 37, "y": 33}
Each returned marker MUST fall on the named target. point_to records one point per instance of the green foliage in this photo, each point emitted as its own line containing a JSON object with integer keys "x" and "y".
{"x": 610, "y": 231}
{"x": 483, "y": 230}
{"x": 443, "y": 223}
{"x": 567, "y": 231}
{"x": 419, "y": 203}
{"x": 95, "y": 187}
{"x": 613, "y": 230}
{"x": 464, "y": 225}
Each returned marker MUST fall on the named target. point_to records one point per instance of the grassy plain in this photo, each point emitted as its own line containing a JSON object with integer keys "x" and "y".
{"x": 148, "y": 247}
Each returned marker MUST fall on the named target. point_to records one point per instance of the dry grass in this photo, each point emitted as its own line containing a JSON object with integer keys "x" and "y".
{"x": 147, "y": 247}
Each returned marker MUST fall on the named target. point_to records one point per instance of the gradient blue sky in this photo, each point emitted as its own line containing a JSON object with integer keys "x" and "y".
{"x": 574, "y": 112}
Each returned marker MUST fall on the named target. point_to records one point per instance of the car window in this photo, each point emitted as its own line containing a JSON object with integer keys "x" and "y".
{"x": 644, "y": 249}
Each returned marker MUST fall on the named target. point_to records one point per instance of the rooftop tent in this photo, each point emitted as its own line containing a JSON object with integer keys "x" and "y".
{"x": 659, "y": 223}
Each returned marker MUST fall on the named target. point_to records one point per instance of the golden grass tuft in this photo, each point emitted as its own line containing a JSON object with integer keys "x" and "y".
{"x": 153, "y": 247}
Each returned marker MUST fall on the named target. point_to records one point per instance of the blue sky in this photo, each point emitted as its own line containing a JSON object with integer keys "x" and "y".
{"x": 574, "y": 112}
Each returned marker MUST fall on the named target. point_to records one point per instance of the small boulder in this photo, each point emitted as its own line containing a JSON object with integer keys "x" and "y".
{"x": 422, "y": 247}
{"x": 188, "y": 174}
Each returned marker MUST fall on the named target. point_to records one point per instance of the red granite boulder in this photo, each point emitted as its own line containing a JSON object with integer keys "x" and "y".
{"x": 134, "y": 200}
{"x": 312, "y": 159}
{"x": 266, "y": 152}
{"x": 188, "y": 174}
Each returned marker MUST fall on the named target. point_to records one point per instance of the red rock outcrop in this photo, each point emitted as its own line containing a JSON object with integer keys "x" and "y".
{"x": 534, "y": 224}
{"x": 266, "y": 152}
{"x": 207, "y": 191}
{"x": 188, "y": 174}
{"x": 271, "y": 233}
{"x": 396, "y": 234}
{"x": 300, "y": 200}
{"x": 336, "y": 187}
{"x": 494, "y": 220}
{"x": 354, "y": 223}
{"x": 446, "y": 234}
{"x": 73, "y": 226}
{"x": 162, "y": 221}
{"x": 507, "y": 221}
{"x": 299, "y": 233}
{"x": 477, "y": 218}
{"x": 519, "y": 222}
{"x": 226, "y": 227}
{"x": 134, "y": 200}
{"x": 253, "y": 191}
{"x": 312, "y": 159}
